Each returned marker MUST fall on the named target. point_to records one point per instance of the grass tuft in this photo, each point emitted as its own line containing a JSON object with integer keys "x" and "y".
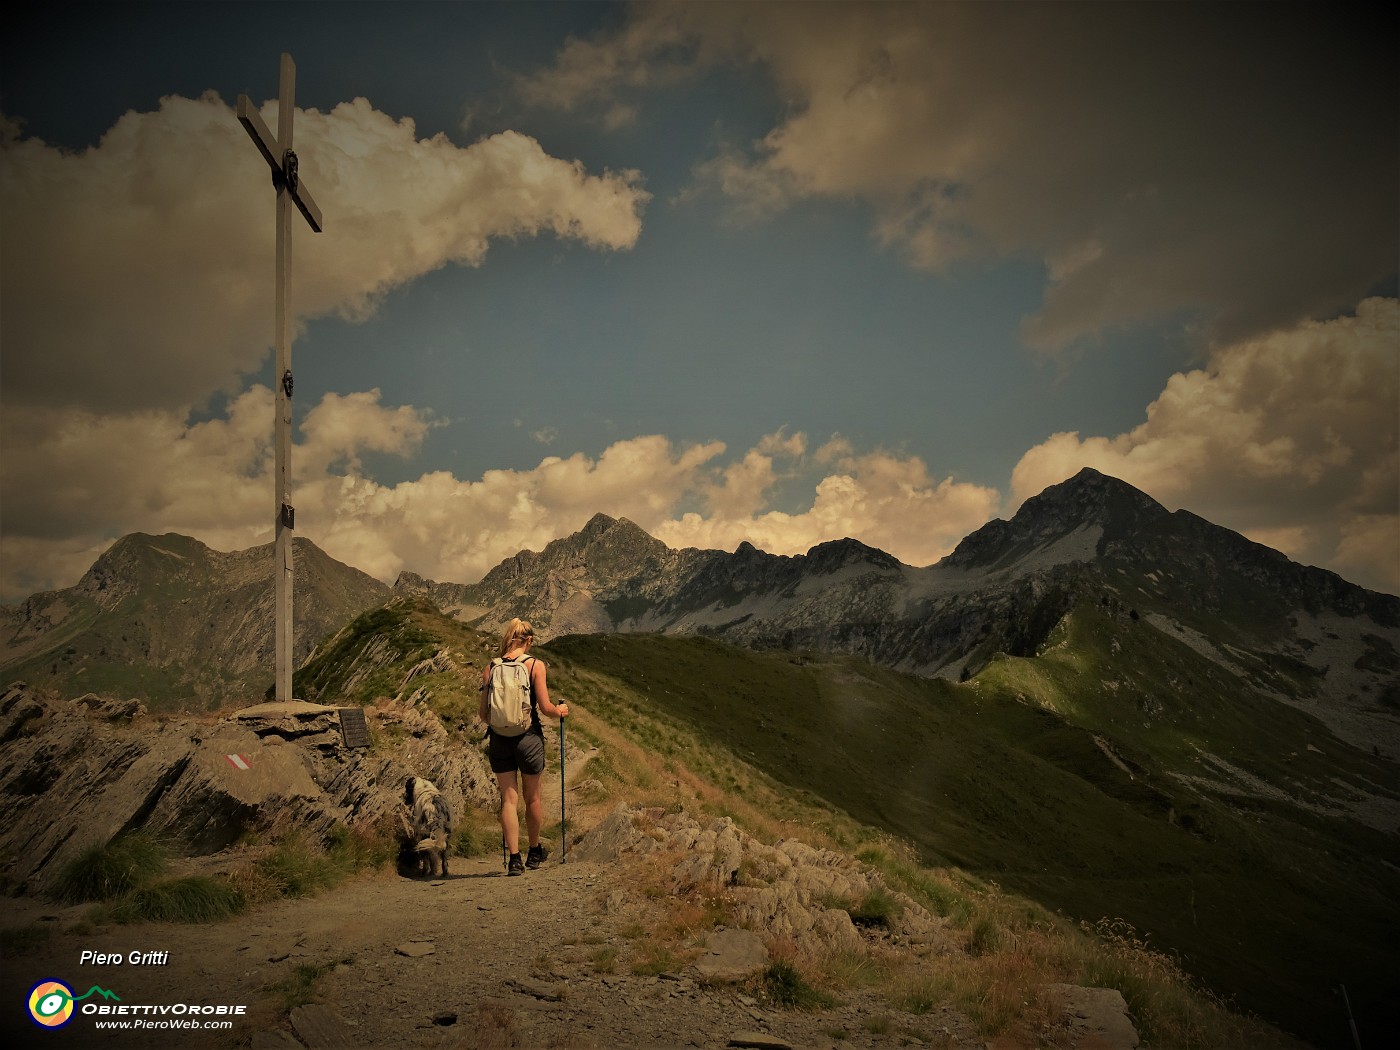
{"x": 655, "y": 959}
{"x": 295, "y": 865}
{"x": 195, "y": 898}
{"x": 784, "y": 985}
{"x": 299, "y": 987}
{"x": 876, "y": 908}
{"x": 296, "y": 868}
{"x": 107, "y": 872}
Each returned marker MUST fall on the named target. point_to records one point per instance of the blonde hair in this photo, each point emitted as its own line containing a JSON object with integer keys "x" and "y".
{"x": 517, "y": 631}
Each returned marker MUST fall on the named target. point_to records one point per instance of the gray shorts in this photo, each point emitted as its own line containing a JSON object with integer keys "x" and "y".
{"x": 509, "y": 753}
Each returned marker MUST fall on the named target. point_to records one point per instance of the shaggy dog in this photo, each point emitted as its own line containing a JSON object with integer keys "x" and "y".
{"x": 429, "y": 824}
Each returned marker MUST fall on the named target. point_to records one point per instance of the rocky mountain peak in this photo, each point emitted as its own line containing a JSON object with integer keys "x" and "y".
{"x": 1088, "y": 501}
{"x": 605, "y": 543}
{"x": 198, "y": 623}
{"x": 1091, "y": 498}
{"x": 620, "y": 532}
{"x": 410, "y": 583}
{"x": 138, "y": 560}
{"x": 837, "y": 554}
{"x": 599, "y": 524}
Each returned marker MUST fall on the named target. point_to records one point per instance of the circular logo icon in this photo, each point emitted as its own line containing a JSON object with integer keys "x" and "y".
{"x": 51, "y": 1004}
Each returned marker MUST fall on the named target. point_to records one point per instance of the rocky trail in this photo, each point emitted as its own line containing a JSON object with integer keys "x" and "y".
{"x": 474, "y": 960}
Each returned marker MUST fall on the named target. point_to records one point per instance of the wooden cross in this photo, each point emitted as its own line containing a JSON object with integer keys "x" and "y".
{"x": 290, "y": 190}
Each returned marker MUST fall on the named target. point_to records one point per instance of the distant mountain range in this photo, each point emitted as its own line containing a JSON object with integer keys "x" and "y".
{"x": 1303, "y": 634}
{"x": 171, "y": 621}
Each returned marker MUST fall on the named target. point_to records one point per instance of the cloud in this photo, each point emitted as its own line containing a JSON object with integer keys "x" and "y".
{"x": 881, "y": 499}
{"x": 1157, "y": 160}
{"x": 85, "y": 478}
{"x": 1292, "y": 438}
{"x": 138, "y": 273}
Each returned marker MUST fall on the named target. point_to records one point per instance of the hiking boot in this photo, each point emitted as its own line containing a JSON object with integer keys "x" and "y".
{"x": 515, "y": 868}
{"x": 536, "y": 857}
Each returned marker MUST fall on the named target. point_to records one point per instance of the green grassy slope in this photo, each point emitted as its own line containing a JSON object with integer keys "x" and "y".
{"x": 1265, "y": 900}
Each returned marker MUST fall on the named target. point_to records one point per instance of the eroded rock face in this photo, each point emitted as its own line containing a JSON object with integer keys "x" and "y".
{"x": 789, "y": 889}
{"x": 75, "y": 774}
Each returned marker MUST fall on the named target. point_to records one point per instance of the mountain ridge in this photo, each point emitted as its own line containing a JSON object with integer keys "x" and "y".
{"x": 1305, "y": 633}
{"x": 172, "y": 621}
{"x": 1325, "y": 643}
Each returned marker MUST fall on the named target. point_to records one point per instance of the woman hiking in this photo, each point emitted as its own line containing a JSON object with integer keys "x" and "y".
{"x": 513, "y": 692}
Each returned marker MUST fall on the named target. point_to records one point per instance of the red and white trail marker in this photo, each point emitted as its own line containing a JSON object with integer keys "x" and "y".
{"x": 238, "y": 762}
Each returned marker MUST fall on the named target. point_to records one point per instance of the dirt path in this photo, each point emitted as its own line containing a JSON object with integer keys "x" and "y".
{"x": 543, "y": 960}
{"x": 475, "y": 960}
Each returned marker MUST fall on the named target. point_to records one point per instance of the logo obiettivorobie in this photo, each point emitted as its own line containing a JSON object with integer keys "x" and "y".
{"x": 51, "y": 1002}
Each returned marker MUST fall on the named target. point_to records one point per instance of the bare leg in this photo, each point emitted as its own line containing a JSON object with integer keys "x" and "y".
{"x": 534, "y": 806}
{"x": 510, "y": 814}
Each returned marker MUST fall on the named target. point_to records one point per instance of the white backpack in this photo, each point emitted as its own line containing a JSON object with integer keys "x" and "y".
{"x": 508, "y": 697}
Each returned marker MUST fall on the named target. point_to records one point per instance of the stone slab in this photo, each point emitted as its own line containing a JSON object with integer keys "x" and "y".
{"x": 321, "y": 1029}
{"x": 732, "y": 955}
{"x": 1098, "y": 1016}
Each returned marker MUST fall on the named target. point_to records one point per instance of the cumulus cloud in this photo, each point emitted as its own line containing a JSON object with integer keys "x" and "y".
{"x": 884, "y": 500}
{"x": 85, "y": 478}
{"x": 138, "y": 273}
{"x": 1156, "y": 159}
{"x": 1292, "y": 438}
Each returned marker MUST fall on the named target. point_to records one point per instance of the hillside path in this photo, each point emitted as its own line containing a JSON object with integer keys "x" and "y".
{"x": 542, "y": 960}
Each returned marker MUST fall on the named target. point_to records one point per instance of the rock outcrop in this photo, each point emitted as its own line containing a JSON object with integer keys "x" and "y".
{"x": 788, "y": 890}
{"x": 76, "y": 774}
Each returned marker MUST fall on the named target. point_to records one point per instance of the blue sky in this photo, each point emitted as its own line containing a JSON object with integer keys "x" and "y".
{"x": 778, "y": 272}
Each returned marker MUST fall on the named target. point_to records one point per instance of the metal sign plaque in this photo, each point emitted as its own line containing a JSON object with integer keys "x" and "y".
{"x": 354, "y": 732}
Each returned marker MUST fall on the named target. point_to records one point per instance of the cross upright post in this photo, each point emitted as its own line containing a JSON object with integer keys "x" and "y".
{"x": 290, "y": 191}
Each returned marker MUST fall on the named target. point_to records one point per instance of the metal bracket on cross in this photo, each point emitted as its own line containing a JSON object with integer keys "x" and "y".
{"x": 283, "y": 162}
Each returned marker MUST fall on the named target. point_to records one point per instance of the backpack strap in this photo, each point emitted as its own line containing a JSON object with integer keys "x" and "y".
{"x": 530, "y": 689}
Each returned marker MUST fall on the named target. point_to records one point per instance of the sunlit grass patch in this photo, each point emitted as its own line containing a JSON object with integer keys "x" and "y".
{"x": 478, "y": 834}
{"x": 851, "y": 969}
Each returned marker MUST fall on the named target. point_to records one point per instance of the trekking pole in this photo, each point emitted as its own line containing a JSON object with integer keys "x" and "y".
{"x": 563, "y": 834}
{"x": 1355, "y": 1036}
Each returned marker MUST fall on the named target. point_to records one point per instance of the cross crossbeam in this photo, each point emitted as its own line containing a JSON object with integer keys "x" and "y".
{"x": 252, "y": 122}
{"x": 286, "y": 179}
